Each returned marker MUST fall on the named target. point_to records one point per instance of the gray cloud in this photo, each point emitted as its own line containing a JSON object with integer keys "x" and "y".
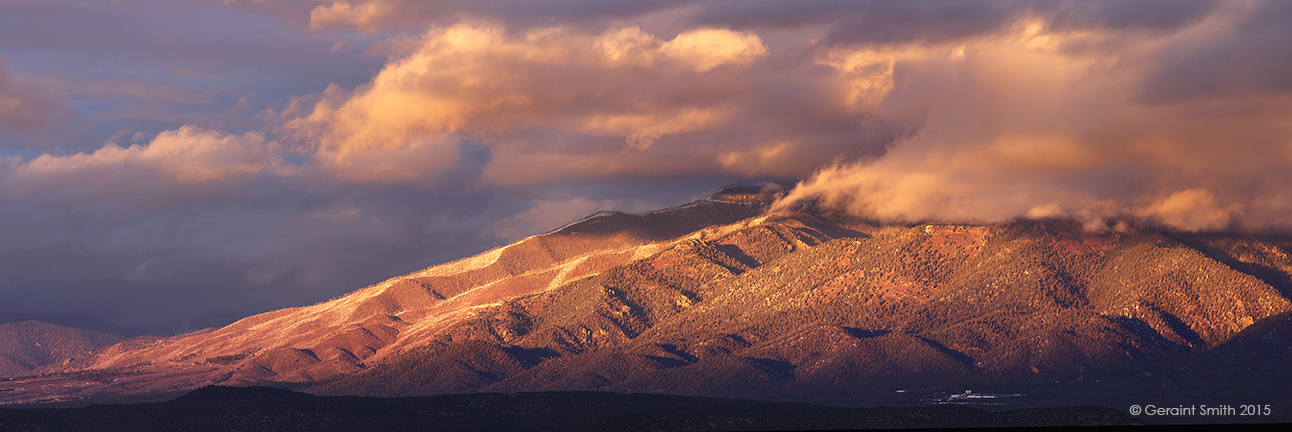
{"x": 26, "y": 108}
{"x": 269, "y": 242}
{"x": 148, "y": 65}
{"x": 1243, "y": 56}
{"x": 844, "y": 21}
{"x": 591, "y": 15}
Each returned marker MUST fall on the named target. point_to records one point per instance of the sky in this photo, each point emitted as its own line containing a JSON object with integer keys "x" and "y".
{"x": 172, "y": 165}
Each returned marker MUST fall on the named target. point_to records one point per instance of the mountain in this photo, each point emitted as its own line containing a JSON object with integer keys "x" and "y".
{"x": 29, "y": 345}
{"x": 718, "y": 297}
{"x": 796, "y": 304}
{"x": 78, "y": 321}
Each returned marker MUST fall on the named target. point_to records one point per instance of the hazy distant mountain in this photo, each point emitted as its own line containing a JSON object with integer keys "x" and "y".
{"x": 718, "y": 298}
{"x": 84, "y": 322}
{"x": 28, "y": 345}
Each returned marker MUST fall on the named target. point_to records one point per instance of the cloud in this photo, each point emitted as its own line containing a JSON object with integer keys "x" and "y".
{"x": 25, "y": 108}
{"x": 1191, "y": 209}
{"x": 705, "y": 49}
{"x": 554, "y": 104}
{"x": 1041, "y": 120}
{"x": 188, "y": 155}
{"x": 840, "y": 21}
{"x": 372, "y": 15}
{"x": 367, "y": 15}
{"x": 1239, "y": 54}
{"x": 595, "y": 100}
{"x": 546, "y": 215}
{"x": 154, "y": 65}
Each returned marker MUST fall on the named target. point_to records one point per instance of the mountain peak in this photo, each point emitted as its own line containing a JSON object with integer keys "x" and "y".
{"x": 758, "y": 193}
{"x": 729, "y": 204}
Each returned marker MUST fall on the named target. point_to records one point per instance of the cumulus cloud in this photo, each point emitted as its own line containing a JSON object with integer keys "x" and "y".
{"x": 187, "y": 155}
{"x": 363, "y": 15}
{"x": 1039, "y": 120}
{"x": 553, "y": 104}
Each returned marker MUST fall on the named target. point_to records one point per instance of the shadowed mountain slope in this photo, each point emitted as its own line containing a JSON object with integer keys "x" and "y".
{"x": 84, "y": 322}
{"x": 28, "y": 345}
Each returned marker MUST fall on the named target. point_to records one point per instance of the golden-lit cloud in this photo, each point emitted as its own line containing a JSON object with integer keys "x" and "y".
{"x": 365, "y": 15}
{"x": 1038, "y": 121}
{"x": 706, "y": 49}
{"x": 554, "y": 92}
{"x": 185, "y": 155}
{"x": 1191, "y": 209}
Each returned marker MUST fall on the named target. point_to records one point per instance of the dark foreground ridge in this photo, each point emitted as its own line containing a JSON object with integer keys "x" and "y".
{"x": 216, "y": 408}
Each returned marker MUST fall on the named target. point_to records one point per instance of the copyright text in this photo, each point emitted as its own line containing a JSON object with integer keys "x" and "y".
{"x": 1201, "y": 410}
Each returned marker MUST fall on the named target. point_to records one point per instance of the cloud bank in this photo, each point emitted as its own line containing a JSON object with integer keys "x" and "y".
{"x": 1173, "y": 113}
{"x": 1041, "y": 120}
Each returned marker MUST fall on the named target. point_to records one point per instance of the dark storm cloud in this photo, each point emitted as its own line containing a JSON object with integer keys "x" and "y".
{"x": 870, "y": 21}
{"x": 521, "y": 15}
{"x": 229, "y": 251}
{"x": 219, "y": 251}
{"x": 887, "y": 22}
{"x": 182, "y": 37}
{"x": 148, "y": 66}
{"x": 1134, "y": 15}
{"x": 1244, "y": 56}
{"x": 845, "y": 21}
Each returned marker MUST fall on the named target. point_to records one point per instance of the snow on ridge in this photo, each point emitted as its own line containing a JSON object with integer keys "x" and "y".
{"x": 602, "y": 213}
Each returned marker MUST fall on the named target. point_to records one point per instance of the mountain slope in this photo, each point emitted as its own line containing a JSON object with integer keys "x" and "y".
{"x": 718, "y": 298}
{"x": 794, "y": 303}
{"x": 378, "y": 323}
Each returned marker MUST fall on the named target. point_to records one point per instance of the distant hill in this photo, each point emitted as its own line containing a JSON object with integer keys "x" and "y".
{"x": 29, "y": 345}
{"x": 79, "y": 321}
